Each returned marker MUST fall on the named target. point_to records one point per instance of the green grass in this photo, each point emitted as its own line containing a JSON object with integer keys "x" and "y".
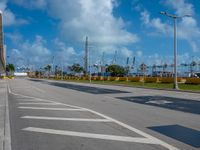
{"x": 188, "y": 87}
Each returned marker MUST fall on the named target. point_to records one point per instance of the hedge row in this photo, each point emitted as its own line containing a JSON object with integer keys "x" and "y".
{"x": 135, "y": 79}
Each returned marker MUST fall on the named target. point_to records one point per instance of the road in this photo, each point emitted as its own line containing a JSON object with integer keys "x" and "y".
{"x": 56, "y": 115}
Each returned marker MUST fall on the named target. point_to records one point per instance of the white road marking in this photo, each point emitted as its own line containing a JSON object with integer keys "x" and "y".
{"x": 28, "y": 100}
{"x": 65, "y": 119}
{"x": 38, "y": 89}
{"x": 47, "y": 108}
{"x": 39, "y": 103}
{"x": 149, "y": 138}
{"x": 91, "y": 135}
{"x": 159, "y": 102}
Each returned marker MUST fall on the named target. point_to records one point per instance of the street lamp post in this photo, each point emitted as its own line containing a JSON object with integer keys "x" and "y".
{"x": 174, "y": 17}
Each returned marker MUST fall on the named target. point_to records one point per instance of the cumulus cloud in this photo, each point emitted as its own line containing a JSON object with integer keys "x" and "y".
{"x": 187, "y": 27}
{"x": 155, "y": 23}
{"x": 16, "y": 37}
{"x": 8, "y": 16}
{"x": 91, "y": 18}
{"x": 66, "y": 55}
{"x": 34, "y": 52}
{"x": 81, "y": 18}
{"x": 96, "y": 20}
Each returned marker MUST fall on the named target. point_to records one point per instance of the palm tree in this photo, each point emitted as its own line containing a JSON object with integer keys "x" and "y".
{"x": 48, "y": 68}
{"x": 10, "y": 68}
{"x": 77, "y": 68}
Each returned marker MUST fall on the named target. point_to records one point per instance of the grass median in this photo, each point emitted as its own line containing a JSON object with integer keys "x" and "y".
{"x": 167, "y": 86}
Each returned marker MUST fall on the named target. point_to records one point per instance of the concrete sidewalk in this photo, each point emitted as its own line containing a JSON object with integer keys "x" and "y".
{"x": 5, "y": 142}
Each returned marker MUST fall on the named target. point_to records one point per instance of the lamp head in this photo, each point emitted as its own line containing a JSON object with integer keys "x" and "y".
{"x": 163, "y": 12}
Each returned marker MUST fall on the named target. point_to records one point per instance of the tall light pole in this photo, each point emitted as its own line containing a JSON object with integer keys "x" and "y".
{"x": 174, "y": 17}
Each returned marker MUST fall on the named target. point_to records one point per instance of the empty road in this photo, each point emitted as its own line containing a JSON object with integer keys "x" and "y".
{"x": 56, "y": 115}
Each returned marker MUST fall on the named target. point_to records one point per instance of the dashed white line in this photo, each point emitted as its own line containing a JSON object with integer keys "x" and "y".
{"x": 65, "y": 119}
{"x": 47, "y": 108}
{"x": 91, "y": 135}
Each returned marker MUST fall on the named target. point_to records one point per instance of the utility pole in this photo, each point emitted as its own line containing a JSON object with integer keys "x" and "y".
{"x": 127, "y": 66}
{"x": 102, "y": 65}
{"x": 62, "y": 72}
{"x": 86, "y": 57}
{"x": 174, "y": 17}
{"x": 52, "y": 64}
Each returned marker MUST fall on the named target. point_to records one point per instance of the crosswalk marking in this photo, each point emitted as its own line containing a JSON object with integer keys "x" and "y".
{"x": 91, "y": 135}
{"x": 47, "y": 108}
{"x": 65, "y": 119}
{"x": 147, "y": 138}
{"x": 39, "y": 103}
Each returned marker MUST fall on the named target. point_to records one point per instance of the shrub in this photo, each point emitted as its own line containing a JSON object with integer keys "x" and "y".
{"x": 151, "y": 79}
{"x": 169, "y": 80}
{"x": 192, "y": 81}
{"x": 113, "y": 78}
{"x": 123, "y": 79}
{"x": 135, "y": 79}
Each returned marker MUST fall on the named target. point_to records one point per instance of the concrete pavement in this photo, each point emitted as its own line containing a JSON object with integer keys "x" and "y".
{"x": 5, "y": 142}
{"x": 57, "y": 115}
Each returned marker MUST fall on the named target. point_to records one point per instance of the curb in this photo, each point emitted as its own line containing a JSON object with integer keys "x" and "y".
{"x": 7, "y": 137}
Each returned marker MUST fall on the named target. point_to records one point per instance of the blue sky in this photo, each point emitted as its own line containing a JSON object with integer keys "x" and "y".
{"x": 35, "y": 31}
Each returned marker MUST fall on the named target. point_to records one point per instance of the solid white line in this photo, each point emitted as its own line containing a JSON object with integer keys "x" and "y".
{"x": 39, "y": 104}
{"x": 65, "y": 119}
{"x": 47, "y": 108}
{"x": 89, "y": 135}
{"x": 150, "y": 138}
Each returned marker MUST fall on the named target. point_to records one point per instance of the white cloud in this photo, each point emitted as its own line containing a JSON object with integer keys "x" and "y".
{"x": 94, "y": 19}
{"x": 36, "y": 48}
{"x": 91, "y": 18}
{"x": 35, "y": 52}
{"x": 79, "y": 19}
{"x": 8, "y": 16}
{"x": 181, "y": 7}
{"x": 187, "y": 27}
{"x": 66, "y": 55}
{"x": 155, "y": 23}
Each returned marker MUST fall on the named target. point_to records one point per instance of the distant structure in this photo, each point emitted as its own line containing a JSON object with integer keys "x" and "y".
{"x": 114, "y": 58}
{"x": 2, "y": 51}
{"x": 86, "y": 57}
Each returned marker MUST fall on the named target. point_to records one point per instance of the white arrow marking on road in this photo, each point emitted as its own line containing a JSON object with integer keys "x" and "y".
{"x": 91, "y": 135}
{"x": 65, "y": 119}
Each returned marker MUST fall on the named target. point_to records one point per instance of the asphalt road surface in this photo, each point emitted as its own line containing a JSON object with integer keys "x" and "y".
{"x": 56, "y": 115}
